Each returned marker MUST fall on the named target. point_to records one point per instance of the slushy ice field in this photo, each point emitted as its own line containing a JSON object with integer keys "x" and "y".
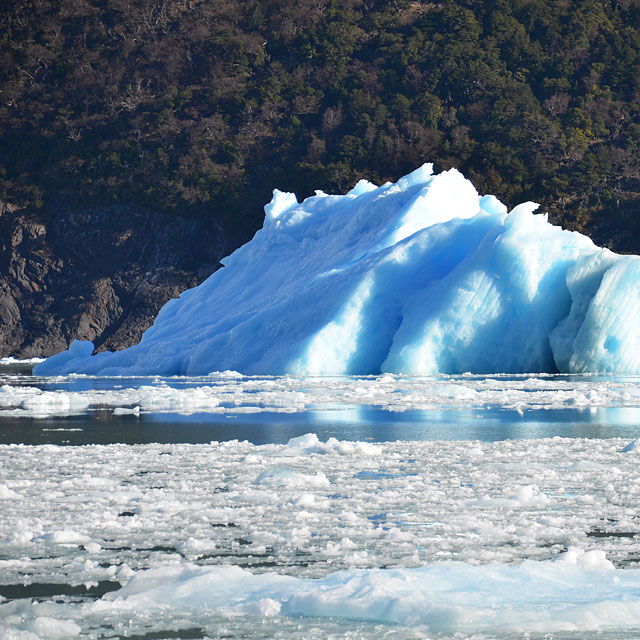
{"x": 229, "y": 506}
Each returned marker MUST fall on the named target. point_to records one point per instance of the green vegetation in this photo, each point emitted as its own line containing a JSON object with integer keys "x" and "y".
{"x": 203, "y": 106}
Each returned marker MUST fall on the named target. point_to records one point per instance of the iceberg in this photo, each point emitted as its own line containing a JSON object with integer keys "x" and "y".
{"x": 422, "y": 276}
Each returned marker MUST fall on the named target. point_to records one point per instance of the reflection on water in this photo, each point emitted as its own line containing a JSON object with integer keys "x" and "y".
{"x": 380, "y": 409}
{"x": 370, "y": 424}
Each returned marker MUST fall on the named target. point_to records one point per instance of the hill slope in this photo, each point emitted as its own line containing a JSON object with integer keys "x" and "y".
{"x": 190, "y": 112}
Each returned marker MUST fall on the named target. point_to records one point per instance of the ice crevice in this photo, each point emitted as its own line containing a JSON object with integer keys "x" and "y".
{"x": 423, "y": 276}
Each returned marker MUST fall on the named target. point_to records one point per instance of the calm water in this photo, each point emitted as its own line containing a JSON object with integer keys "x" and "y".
{"x": 343, "y": 421}
{"x": 102, "y": 427}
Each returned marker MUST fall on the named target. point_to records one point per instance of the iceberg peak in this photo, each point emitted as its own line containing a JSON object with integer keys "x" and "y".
{"x": 281, "y": 202}
{"x": 422, "y": 276}
{"x": 421, "y": 175}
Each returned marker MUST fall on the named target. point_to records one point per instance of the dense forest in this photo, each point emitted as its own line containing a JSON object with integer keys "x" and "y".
{"x": 200, "y": 107}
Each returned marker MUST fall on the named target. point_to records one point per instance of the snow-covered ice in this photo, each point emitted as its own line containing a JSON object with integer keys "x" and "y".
{"x": 321, "y": 539}
{"x": 423, "y": 276}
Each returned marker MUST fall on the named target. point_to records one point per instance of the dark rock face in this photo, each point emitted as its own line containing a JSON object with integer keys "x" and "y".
{"x": 99, "y": 274}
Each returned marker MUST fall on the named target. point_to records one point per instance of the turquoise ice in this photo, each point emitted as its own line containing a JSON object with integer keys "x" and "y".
{"x": 422, "y": 276}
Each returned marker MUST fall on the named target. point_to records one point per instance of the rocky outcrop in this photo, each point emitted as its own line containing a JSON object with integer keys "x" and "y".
{"x": 97, "y": 274}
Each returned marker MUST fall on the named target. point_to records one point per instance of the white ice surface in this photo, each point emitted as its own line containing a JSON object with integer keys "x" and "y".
{"x": 493, "y": 539}
{"x": 419, "y": 277}
{"x": 572, "y": 594}
{"x": 231, "y": 393}
{"x": 11, "y": 361}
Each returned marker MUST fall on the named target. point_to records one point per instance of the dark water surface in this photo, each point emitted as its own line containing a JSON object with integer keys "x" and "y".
{"x": 366, "y": 424}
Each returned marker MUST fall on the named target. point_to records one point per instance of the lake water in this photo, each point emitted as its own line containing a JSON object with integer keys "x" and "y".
{"x": 102, "y": 427}
{"x": 92, "y": 410}
{"x": 435, "y": 507}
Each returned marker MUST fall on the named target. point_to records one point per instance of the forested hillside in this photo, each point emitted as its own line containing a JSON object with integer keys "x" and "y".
{"x": 140, "y": 139}
{"x": 200, "y": 107}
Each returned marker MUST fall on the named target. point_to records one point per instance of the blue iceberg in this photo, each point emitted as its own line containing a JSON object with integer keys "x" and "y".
{"x": 423, "y": 276}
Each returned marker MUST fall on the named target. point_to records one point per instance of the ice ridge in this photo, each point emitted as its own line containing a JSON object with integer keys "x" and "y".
{"x": 422, "y": 276}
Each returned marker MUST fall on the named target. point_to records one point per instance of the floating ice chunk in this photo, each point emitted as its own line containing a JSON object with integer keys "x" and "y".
{"x": 65, "y": 536}
{"x": 351, "y": 448}
{"x": 285, "y": 477}
{"x": 125, "y": 573}
{"x": 527, "y": 496}
{"x": 21, "y": 537}
{"x": 52, "y": 629}
{"x": 419, "y": 277}
{"x": 265, "y": 608}
{"x": 594, "y": 560}
{"x": 126, "y": 411}
{"x": 195, "y": 547}
{"x": 524, "y": 494}
{"x": 8, "y": 494}
{"x": 305, "y": 500}
{"x": 92, "y": 547}
{"x": 11, "y": 360}
{"x": 309, "y": 443}
{"x": 634, "y": 445}
{"x": 225, "y": 374}
{"x": 580, "y": 592}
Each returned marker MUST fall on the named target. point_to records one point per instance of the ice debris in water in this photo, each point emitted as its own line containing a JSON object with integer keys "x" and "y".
{"x": 420, "y": 276}
{"x": 342, "y": 398}
{"x": 491, "y": 538}
{"x": 448, "y": 597}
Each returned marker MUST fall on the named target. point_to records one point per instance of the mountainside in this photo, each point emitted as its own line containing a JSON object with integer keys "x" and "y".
{"x": 181, "y": 116}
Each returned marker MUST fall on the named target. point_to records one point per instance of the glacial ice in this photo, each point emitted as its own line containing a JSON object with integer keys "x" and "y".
{"x": 422, "y": 276}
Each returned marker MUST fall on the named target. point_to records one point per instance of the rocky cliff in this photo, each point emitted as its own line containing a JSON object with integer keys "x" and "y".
{"x": 97, "y": 274}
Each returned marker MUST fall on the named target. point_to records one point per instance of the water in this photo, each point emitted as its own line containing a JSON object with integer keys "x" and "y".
{"x": 372, "y": 425}
{"x": 127, "y": 475}
{"x": 79, "y": 410}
